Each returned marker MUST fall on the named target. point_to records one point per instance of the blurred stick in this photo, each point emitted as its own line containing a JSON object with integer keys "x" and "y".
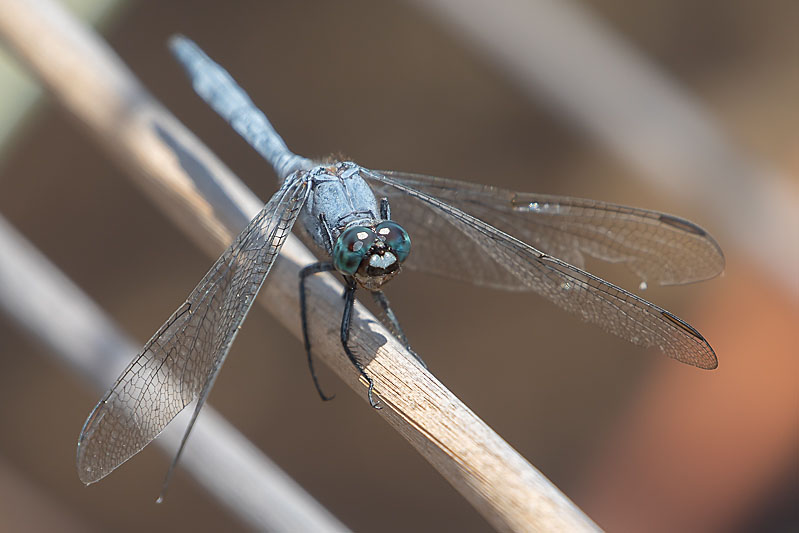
{"x": 562, "y": 53}
{"x": 44, "y": 302}
{"x": 206, "y": 200}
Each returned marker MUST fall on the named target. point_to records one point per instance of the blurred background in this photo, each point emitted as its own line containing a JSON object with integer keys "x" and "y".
{"x": 638, "y": 441}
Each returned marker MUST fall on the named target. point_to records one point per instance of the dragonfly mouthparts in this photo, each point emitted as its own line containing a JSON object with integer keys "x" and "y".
{"x": 383, "y": 261}
{"x": 378, "y": 269}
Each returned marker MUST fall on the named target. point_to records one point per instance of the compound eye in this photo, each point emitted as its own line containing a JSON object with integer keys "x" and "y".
{"x": 351, "y": 247}
{"x": 395, "y": 237}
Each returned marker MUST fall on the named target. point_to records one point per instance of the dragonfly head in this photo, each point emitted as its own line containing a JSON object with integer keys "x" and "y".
{"x": 371, "y": 255}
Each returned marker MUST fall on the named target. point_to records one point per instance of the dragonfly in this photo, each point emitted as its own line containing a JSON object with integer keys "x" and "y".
{"x": 477, "y": 233}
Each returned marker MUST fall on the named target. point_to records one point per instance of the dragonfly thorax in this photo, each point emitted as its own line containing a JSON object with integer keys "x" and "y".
{"x": 371, "y": 255}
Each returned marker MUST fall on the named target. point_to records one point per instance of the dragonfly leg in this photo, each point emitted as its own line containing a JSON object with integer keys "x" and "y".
{"x": 389, "y": 319}
{"x": 349, "y": 302}
{"x": 328, "y": 232}
{"x": 310, "y": 270}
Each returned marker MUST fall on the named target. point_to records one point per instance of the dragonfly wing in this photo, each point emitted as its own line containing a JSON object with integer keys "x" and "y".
{"x": 659, "y": 248}
{"x": 180, "y": 362}
{"x": 595, "y": 300}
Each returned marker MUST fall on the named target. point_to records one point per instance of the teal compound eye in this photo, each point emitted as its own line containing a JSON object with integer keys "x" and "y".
{"x": 351, "y": 247}
{"x": 396, "y": 238}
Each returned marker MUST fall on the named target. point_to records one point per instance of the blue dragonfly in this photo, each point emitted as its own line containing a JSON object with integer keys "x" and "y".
{"x": 477, "y": 233}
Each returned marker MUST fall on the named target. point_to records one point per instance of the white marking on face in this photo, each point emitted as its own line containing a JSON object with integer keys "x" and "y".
{"x": 382, "y": 261}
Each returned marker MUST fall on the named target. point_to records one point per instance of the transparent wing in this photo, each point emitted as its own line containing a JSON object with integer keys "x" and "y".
{"x": 520, "y": 265}
{"x": 659, "y": 248}
{"x": 180, "y": 362}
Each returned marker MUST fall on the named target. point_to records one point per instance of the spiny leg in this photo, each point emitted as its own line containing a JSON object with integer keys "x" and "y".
{"x": 389, "y": 319}
{"x": 310, "y": 270}
{"x": 349, "y": 302}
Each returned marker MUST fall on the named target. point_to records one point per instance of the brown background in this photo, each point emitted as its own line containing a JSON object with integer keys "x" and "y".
{"x": 390, "y": 88}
